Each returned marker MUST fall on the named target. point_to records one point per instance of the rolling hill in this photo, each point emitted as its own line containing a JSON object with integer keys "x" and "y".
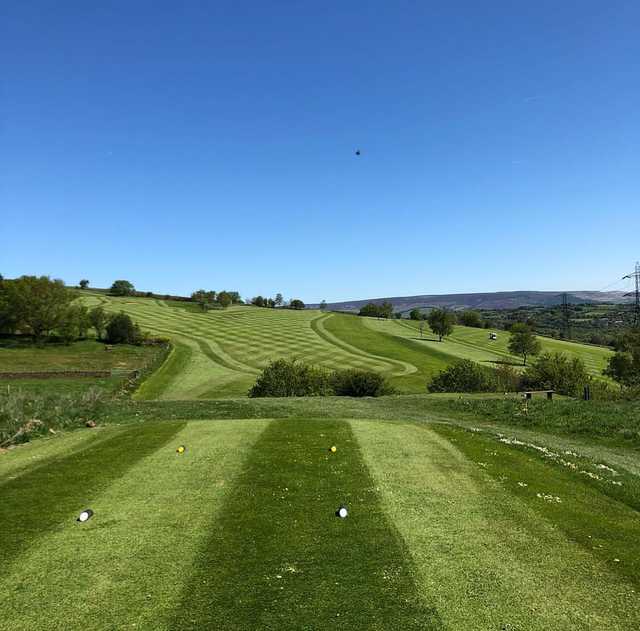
{"x": 493, "y": 300}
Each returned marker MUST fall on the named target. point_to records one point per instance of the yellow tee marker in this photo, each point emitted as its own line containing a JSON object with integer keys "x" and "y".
{"x": 180, "y": 449}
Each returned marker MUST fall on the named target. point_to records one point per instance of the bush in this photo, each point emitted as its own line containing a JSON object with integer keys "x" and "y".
{"x": 360, "y": 383}
{"x": 463, "y": 376}
{"x": 122, "y": 330}
{"x": 291, "y": 378}
{"x": 557, "y": 371}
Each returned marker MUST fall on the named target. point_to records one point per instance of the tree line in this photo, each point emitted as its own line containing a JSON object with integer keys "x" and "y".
{"x": 277, "y": 302}
{"x": 44, "y": 309}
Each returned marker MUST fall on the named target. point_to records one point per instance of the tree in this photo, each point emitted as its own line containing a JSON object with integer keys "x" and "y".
{"x": 421, "y": 326}
{"x": 84, "y": 283}
{"x": 225, "y": 299}
{"x": 624, "y": 366}
{"x": 296, "y": 303}
{"x": 258, "y": 301}
{"x": 323, "y": 305}
{"x": 386, "y": 310}
{"x": 271, "y": 303}
{"x": 470, "y": 318}
{"x": 122, "y": 330}
{"x": 122, "y": 288}
{"x": 203, "y": 298}
{"x": 557, "y": 371}
{"x": 37, "y": 304}
{"x": 279, "y": 300}
{"x": 441, "y": 322}
{"x": 79, "y": 315}
{"x": 415, "y": 314}
{"x": 523, "y": 341}
{"x": 369, "y": 310}
{"x": 98, "y": 319}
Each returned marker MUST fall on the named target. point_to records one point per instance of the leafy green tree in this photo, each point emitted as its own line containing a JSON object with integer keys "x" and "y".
{"x": 624, "y": 365}
{"x": 258, "y": 301}
{"x": 68, "y": 329}
{"x": 98, "y": 319}
{"x": 386, "y": 310}
{"x": 323, "y": 305}
{"x": 122, "y": 288}
{"x": 79, "y": 316}
{"x": 523, "y": 341}
{"x": 84, "y": 283}
{"x": 296, "y": 303}
{"x": 225, "y": 299}
{"x": 279, "y": 300}
{"x": 421, "y": 327}
{"x": 415, "y": 314}
{"x": 370, "y": 310}
{"x": 122, "y": 330}
{"x": 441, "y": 322}
{"x": 37, "y": 304}
{"x": 557, "y": 371}
{"x": 470, "y": 318}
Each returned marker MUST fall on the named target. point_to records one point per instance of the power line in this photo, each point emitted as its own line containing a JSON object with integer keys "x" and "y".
{"x": 636, "y": 276}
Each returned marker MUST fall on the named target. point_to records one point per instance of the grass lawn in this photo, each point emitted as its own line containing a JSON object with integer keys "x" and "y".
{"x": 21, "y": 355}
{"x": 447, "y": 529}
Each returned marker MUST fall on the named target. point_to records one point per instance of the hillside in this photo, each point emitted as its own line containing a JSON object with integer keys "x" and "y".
{"x": 492, "y": 300}
{"x": 219, "y": 353}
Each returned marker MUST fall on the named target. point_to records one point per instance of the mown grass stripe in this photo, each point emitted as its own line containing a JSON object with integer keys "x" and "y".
{"x": 125, "y": 568}
{"x": 41, "y": 499}
{"x": 352, "y": 574}
{"x": 486, "y": 557}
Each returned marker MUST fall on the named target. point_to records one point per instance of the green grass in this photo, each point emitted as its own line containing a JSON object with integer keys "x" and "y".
{"x": 21, "y": 355}
{"x": 471, "y": 343}
{"x": 240, "y": 532}
{"x": 219, "y": 353}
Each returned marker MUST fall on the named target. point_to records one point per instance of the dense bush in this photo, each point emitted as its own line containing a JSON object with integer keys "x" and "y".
{"x": 284, "y": 378}
{"x": 372, "y": 310}
{"x": 556, "y": 371}
{"x": 360, "y": 383}
{"x": 122, "y": 330}
{"x": 463, "y": 376}
{"x": 292, "y": 378}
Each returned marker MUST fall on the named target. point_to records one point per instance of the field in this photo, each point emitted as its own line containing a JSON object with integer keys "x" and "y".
{"x": 219, "y": 353}
{"x": 464, "y": 512}
{"x": 448, "y": 528}
{"x": 17, "y": 356}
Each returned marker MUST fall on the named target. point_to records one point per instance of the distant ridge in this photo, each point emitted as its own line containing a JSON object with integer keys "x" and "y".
{"x": 492, "y": 300}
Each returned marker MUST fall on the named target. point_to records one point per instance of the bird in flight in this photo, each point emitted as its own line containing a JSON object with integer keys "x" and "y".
{"x": 357, "y": 152}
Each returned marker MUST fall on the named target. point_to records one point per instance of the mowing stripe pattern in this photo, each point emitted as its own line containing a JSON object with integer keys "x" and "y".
{"x": 352, "y": 574}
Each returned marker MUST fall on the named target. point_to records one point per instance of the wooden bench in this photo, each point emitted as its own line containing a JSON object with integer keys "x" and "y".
{"x": 528, "y": 394}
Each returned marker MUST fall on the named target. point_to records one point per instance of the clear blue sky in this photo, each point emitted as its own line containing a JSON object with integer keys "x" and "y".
{"x": 211, "y": 144}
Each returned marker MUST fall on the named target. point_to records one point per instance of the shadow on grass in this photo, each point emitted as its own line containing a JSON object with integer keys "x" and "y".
{"x": 42, "y": 499}
{"x": 279, "y": 558}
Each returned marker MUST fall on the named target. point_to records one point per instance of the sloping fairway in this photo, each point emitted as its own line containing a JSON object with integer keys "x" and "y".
{"x": 219, "y": 353}
{"x": 471, "y": 343}
{"x": 447, "y": 529}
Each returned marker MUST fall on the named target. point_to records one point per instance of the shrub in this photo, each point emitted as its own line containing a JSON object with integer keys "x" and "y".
{"x": 508, "y": 379}
{"x": 463, "y": 376}
{"x": 122, "y": 330}
{"x": 291, "y": 378}
{"x": 360, "y": 383}
{"x": 557, "y": 371}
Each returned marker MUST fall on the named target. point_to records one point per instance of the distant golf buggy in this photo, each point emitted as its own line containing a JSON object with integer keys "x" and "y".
{"x": 493, "y": 336}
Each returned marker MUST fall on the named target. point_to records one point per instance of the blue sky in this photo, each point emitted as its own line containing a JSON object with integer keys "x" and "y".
{"x": 212, "y": 144}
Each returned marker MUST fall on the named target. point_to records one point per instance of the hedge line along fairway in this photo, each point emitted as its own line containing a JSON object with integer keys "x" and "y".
{"x": 446, "y": 529}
